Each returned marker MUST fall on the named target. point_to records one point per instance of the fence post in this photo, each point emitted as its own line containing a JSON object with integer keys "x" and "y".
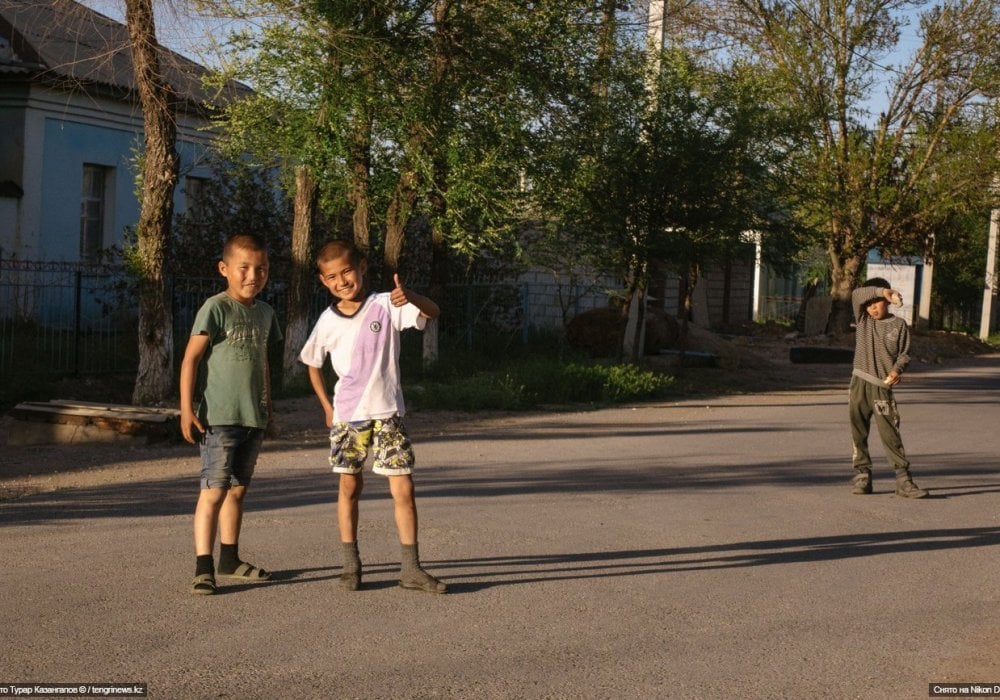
{"x": 525, "y": 314}
{"x": 77, "y": 294}
{"x": 470, "y": 317}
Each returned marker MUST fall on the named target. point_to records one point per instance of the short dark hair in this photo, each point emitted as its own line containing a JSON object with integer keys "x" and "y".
{"x": 877, "y": 282}
{"x": 244, "y": 241}
{"x": 337, "y": 248}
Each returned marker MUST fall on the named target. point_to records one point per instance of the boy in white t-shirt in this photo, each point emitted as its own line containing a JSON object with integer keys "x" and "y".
{"x": 360, "y": 333}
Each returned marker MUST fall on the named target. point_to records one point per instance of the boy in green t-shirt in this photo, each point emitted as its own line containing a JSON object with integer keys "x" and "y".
{"x": 226, "y": 359}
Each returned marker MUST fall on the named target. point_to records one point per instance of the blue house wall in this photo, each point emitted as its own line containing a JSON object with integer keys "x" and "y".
{"x": 67, "y": 147}
{"x": 68, "y": 99}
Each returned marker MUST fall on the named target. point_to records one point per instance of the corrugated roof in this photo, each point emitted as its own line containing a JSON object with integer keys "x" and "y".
{"x": 64, "y": 42}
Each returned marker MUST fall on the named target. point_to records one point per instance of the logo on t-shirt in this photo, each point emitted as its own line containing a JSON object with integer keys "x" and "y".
{"x": 244, "y": 338}
{"x": 375, "y": 327}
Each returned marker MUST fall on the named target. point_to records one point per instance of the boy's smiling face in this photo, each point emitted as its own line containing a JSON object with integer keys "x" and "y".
{"x": 245, "y": 271}
{"x": 344, "y": 278}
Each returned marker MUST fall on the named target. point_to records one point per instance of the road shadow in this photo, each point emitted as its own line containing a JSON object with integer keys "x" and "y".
{"x": 562, "y": 477}
{"x": 471, "y": 575}
{"x": 379, "y": 576}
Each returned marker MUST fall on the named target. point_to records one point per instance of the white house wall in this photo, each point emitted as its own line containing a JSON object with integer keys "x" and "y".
{"x": 12, "y": 144}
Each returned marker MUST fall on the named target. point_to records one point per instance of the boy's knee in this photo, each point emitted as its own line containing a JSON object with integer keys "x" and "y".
{"x": 210, "y": 500}
{"x": 213, "y": 495}
{"x": 351, "y": 486}
{"x": 401, "y": 488}
{"x": 236, "y": 494}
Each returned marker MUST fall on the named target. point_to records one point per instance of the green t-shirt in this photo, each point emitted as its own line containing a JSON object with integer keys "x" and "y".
{"x": 233, "y": 372}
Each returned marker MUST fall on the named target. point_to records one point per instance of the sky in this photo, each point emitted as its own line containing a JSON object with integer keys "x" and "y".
{"x": 179, "y": 29}
{"x": 176, "y": 26}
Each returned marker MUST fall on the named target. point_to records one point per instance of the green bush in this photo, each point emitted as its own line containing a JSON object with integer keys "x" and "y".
{"x": 529, "y": 383}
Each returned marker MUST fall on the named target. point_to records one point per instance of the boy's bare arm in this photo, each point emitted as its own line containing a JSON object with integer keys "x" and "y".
{"x": 271, "y": 430}
{"x": 319, "y": 387}
{"x": 401, "y": 295}
{"x": 195, "y": 350}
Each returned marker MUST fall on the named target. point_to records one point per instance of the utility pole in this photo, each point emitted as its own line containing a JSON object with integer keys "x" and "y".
{"x": 923, "y": 319}
{"x": 656, "y": 30}
{"x": 989, "y": 286}
{"x": 635, "y": 327}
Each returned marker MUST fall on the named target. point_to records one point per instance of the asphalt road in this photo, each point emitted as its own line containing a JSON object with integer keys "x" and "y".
{"x": 697, "y": 549}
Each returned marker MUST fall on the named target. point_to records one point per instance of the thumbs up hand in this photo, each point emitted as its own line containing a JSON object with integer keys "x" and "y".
{"x": 399, "y": 296}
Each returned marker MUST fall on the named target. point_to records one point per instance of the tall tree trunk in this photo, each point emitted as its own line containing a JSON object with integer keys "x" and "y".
{"x": 302, "y": 282}
{"x": 605, "y": 46}
{"x": 437, "y": 197}
{"x": 844, "y": 278}
{"x": 442, "y": 60}
{"x": 360, "y": 169}
{"x": 401, "y": 206}
{"x": 154, "y": 378}
{"x": 635, "y": 313}
{"x": 684, "y": 304}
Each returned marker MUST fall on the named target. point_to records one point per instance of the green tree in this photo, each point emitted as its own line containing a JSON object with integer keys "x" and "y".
{"x": 407, "y": 109}
{"x": 237, "y": 198}
{"x": 958, "y": 267}
{"x": 675, "y": 166}
{"x": 309, "y": 119}
{"x": 408, "y": 117}
{"x": 885, "y": 181}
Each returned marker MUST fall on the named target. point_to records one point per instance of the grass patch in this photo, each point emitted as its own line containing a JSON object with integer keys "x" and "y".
{"x": 495, "y": 376}
{"x": 531, "y": 382}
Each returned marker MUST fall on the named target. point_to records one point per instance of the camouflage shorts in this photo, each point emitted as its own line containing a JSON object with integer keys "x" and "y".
{"x": 350, "y": 442}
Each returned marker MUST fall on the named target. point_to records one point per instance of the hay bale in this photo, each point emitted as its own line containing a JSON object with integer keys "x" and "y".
{"x": 599, "y": 332}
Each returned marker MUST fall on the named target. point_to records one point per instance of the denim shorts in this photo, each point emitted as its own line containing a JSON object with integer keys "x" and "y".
{"x": 349, "y": 444}
{"x": 229, "y": 455}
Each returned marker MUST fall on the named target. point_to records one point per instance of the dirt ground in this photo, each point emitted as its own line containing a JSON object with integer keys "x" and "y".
{"x": 757, "y": 358}
{"x": 750, "y": 362}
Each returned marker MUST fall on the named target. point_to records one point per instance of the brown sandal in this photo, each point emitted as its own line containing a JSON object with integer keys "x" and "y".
{"x": 204, "y": 584}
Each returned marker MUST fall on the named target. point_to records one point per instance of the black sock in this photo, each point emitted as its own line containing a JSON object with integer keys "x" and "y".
{"x": 204, "y": 565}
{"x": 229, "y": 557}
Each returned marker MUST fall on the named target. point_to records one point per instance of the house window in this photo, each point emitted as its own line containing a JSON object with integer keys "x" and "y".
{"x": 194, "y": 196}
{"x": 93, "y": 206}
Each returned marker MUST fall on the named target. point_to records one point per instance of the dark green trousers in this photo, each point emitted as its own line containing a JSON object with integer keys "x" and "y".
{"x": 868, "y": 403}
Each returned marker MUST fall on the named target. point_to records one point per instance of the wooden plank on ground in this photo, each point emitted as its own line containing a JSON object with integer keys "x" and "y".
{"x": 133, "y": 421}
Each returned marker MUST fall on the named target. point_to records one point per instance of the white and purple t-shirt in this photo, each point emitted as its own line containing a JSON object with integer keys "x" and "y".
{"x": 364, "y": 352}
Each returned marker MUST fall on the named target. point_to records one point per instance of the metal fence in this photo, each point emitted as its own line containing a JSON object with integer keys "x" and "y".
{"x": 959, "y": 319}
{"x": 70, "y": 320}
{"x": 61, "y": 320}
{"x": 58, "y": 318}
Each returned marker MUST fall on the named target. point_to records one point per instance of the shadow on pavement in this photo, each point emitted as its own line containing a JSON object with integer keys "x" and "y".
{"x": 177, "y": 496}
{"x": 488, "y": 572}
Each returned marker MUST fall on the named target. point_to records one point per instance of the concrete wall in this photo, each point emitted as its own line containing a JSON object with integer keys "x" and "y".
{"x": 551, "y": 299}
{"x": 709, "y": 298}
